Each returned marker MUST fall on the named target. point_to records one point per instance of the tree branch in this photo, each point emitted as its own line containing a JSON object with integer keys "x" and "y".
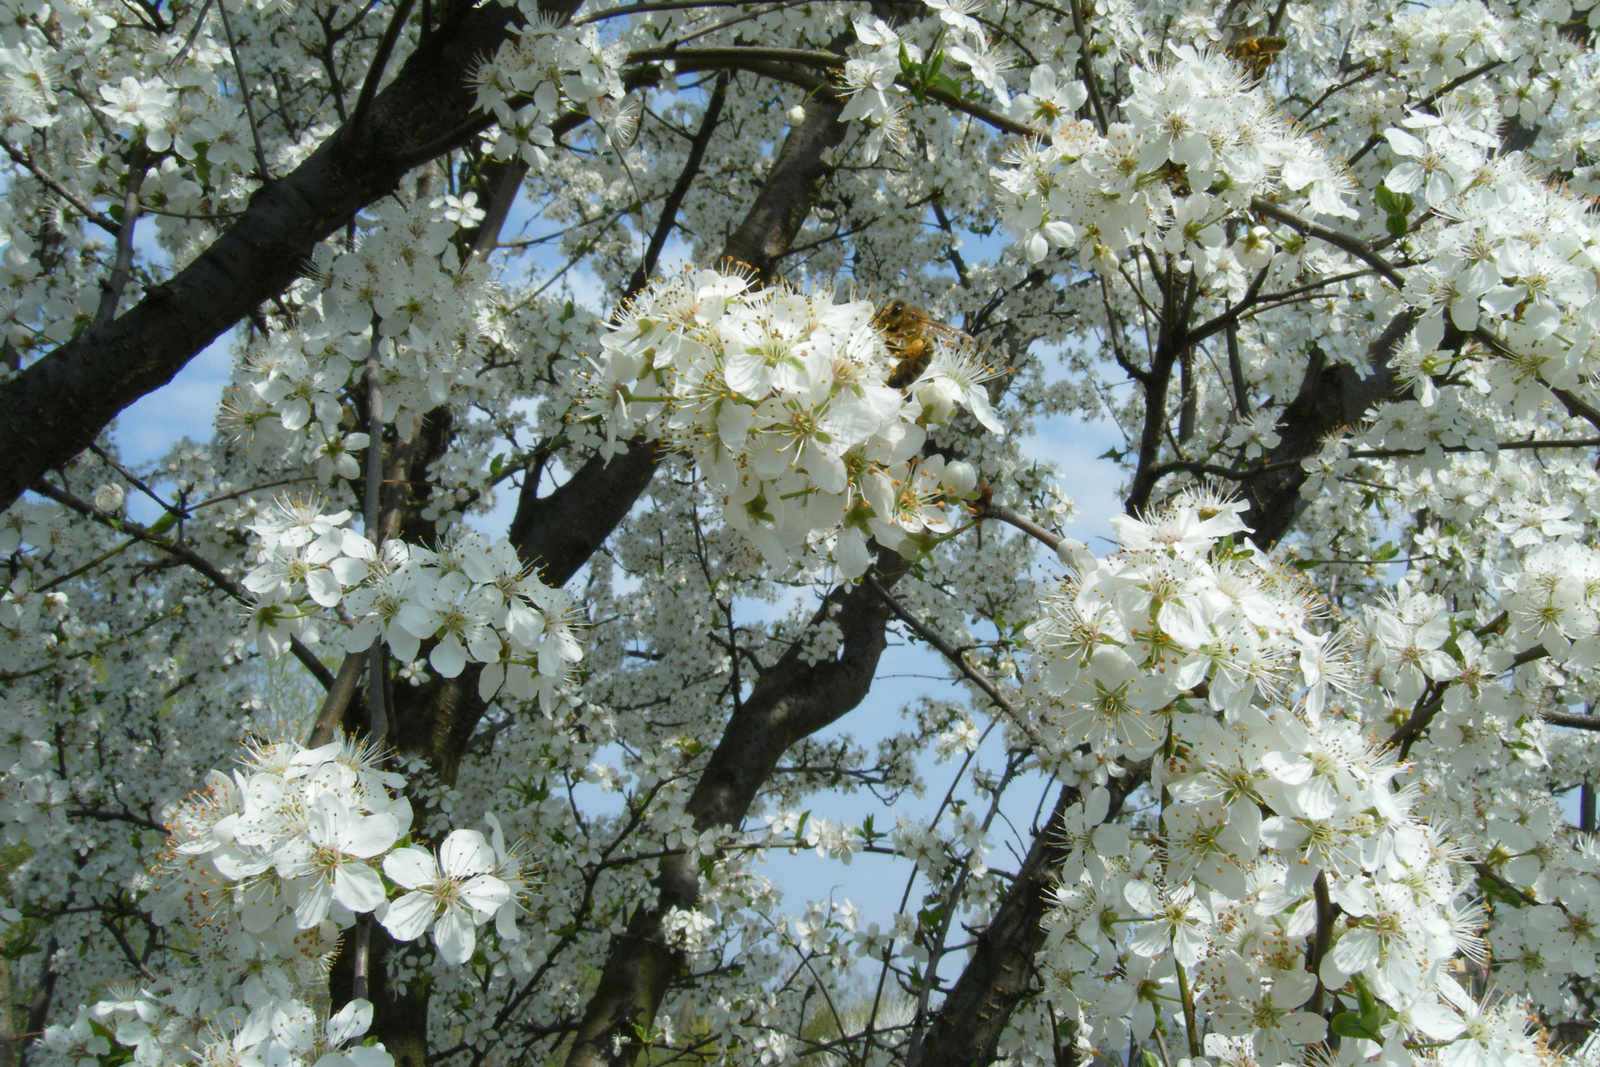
{"x": 791, "y": 700}
{"x": 55, "y": 407}
{"x": 189, "y": 556}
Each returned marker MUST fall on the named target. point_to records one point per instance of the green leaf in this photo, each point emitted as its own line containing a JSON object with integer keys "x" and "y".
{"x": 1396, "y": 225}
{"x": 1496, "y": 892}
{"x": 1364, "y": 997}
{"x": 1349, "y": 1024}
{"x": 163, "y": 524}
{"x": 1388, "y": 202}
{"x": 1386, "y": 551}
{"x": 1148, "y": 1059}
{"x": 202, "y": 165}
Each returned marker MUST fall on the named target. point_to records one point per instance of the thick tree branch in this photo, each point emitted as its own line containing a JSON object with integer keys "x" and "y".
{"x": 967, "y": 1028}
{"x": 1330, "y": 397}
{"x": 791, "y": 700}
{"x": 55, "y": 407}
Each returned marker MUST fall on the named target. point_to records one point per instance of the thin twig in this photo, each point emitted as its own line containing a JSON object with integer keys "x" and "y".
{"x": 193, "y": 559}
{"x": 668, "y": 5}
{"x": 380, "y": 60}
{"x": 105, "y": 222}
{"x": 950, "y": 653}
{"x": 1428, "y": 101}
{"x": 1025, "y": 524}
{"x": 244, "y": 93}
{"x": 199, "y": 24}
{"x": 1343, "y": 241}
{"x": 122, "y": 267}
{"x": 127, "y": 949}
{"x": 1577, "y": 722}
{"x": 136, "y": 481}
{"x": 680, "y": 188}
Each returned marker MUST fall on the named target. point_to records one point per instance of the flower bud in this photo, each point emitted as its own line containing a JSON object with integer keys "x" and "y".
{"x": 960, "y": 478}
{"x": 938, "y": 400}
{"x": 108, "y": 499}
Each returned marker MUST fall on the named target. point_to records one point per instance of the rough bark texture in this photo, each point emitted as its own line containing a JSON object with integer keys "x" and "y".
{"x": 1000, "y": 974}
{"x": 791, "y": 700}
{"x": 1330, "y": 398}
{"x": 54, "y": 408}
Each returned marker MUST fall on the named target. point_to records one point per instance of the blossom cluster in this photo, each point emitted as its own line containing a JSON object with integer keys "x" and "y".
{"x": 1512, "y": 262}
{"x": 780, "y": 396}
{"x": 264, "y": 869}
{"x": 1276, "y": 808}
{"x": 885, "y": 62}
{"x": 1197, "y": 143}
{"x": 473, "y": 599}
{"x": 1440, "y": 44}
{"x": 544, "y": 71}
{"x": 403, "y": 296}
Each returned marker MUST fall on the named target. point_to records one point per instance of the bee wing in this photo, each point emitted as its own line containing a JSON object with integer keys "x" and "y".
{"x": 949, "y": 334}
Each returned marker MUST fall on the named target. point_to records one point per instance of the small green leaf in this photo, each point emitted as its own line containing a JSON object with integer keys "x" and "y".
{"x": 202, "y": 165}
{"x": 1396, "y": 225}
{"x": 1349, "y": 1024}
{"x": 1388, "y": 202}
{"x": 1498, "y": 893}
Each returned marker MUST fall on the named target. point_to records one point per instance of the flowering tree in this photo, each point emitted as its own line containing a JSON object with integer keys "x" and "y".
{"x": 311, "y": 759}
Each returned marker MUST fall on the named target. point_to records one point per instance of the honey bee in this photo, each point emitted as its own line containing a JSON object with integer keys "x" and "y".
{"x": 913, "y": 336}
{"x": 1257, "y": 53}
